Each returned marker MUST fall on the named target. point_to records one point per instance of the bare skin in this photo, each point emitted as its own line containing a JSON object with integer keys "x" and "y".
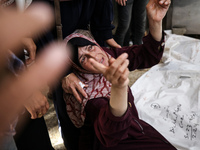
{"x": 37, "y": 105}
{"x": 121, "y": 2}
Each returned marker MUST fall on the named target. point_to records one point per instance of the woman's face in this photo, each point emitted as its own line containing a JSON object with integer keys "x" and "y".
{"x": 90, "y": 51}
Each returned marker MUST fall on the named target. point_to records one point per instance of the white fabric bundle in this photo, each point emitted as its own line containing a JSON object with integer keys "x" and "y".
{"x": 168, "y": 95}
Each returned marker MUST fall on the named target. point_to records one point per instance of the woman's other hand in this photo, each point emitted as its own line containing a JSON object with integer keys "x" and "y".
{"x": 157, "y": 9}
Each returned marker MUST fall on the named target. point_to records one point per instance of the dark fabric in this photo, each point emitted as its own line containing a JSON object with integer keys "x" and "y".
{"x": 141, "y": 56}
{"x": 131, "y": 19}
{"x": 100, "y": 23}
{"x": 124, "y": 20}
{"x": 15, "y": 65}
{"x": 44, "y": 40}
{"x": 127, "y": 132}
{"x": 32, "y": 134}
{"x": 85, "y": 14}
{"x": 70, "y": 133}
{"x": 80, "y": 42}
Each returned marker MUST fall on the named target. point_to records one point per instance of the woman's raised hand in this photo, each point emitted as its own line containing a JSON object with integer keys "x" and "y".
{"x": 157, "y": 9}
{"x": 117, "y": 72}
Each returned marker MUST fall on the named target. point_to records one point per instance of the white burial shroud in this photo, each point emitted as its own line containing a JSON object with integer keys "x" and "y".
{"x": 168, "y": 95}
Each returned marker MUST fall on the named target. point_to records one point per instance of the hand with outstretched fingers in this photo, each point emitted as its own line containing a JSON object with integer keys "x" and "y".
{"x": 117, "y": 72}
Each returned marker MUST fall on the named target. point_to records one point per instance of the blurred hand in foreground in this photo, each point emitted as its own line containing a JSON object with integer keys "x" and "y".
{"x": 51, "y": 63}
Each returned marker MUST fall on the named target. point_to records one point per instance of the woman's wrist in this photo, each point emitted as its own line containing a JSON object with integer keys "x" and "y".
{"x": 155, "y": 28}
{"x": 118, "y": 100}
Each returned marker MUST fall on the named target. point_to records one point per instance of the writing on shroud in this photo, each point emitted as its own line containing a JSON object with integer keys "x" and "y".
{"x": 187, "y": 122}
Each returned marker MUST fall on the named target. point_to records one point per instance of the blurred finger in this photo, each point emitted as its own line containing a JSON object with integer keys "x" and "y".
{"x": 14, "y": 25}
{"x": 54, "y": 61}
{"x": 32, "y": 113}
{"x": 44, "y": 109}
{"x": 47, "y": 105}
{"x": 28, "y": 61}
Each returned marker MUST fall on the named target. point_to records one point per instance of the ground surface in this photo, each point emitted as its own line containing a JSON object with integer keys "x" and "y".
{"x": 51, "y": 119}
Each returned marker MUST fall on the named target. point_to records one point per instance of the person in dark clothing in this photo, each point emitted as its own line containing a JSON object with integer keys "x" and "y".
{"x": 32, "y": 134}
{"x": 96, "y": 15}
{"x": 131, "y": 19}
{"x": 92, "y": 105}
{"x": 108, "y": 118}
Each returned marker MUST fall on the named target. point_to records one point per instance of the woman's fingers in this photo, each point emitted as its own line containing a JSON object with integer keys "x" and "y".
{"x": 15, "y": 25}
{"x": 165, "y": 3}
{"x": 100, "y": 67}
{"x": 120, "y": 71}
{"x": 117, "y": 63}
{"x": 114, "y": 72}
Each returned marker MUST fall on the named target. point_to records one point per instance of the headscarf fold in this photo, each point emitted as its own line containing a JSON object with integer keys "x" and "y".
{"x": 98, "y": 86}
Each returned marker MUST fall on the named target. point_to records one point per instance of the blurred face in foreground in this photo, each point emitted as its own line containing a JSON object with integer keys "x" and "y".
{"x": 91, "y": 51}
